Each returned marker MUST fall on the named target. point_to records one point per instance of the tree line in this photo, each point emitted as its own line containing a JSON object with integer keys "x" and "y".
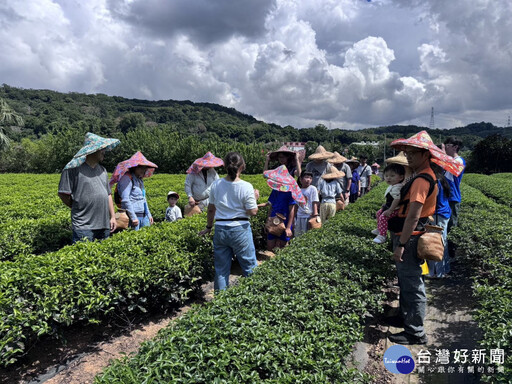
{"x": 41, "y": 131}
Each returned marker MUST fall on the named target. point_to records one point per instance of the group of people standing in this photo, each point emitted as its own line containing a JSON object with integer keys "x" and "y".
{"x": 424, "y": 182}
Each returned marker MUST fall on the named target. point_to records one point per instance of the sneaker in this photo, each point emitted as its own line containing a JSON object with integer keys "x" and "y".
{"x": 375, "y": 232}
{"x": 407, "y": 339}
{"x": 394, "y": 321}
{"x": 379, "y": 239}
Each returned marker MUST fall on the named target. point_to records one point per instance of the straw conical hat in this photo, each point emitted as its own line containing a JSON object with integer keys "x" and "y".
{"x": 333, "y": 173}
{"x": 337, "y": 158}
{"x": 398, "y": 159}
{"x": 320, "y": 154}
{"x": 353, "y": 160}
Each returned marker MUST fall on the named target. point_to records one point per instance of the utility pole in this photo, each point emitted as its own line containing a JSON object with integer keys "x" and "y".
{"x": 432, "y": 124}
{"x": 384, "y": 157}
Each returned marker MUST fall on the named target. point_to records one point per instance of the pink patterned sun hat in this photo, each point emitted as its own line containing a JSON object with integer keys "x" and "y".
{"x": 422, "y": 140}
{"x": 123, "y": 167}
{"x": 280, "y": 179}
{"x": 207, "y": 161}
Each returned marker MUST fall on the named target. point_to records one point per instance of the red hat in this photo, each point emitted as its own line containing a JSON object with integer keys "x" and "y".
{"x": 207, "y": 161}
{"x": 134, "y": 161}
{"x": 422, "y": 140}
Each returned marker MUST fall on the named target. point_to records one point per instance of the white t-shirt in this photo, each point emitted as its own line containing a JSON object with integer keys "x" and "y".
{"x": 311, "y": 195}
{"x": 365, "y": 176}
{"x": 173, "y": 213}
{"x": 394, "y": 190}
{"x": 232, "y": 199}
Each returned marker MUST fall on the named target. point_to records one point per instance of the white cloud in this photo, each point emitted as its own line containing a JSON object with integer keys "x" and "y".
{"x": 344, "y": 63}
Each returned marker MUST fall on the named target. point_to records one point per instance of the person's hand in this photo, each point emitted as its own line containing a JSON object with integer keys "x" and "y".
{"x": 359, "y": 193}
{"x": 205, "y": 231}
{"x": 151, "y": 221}
{"x": 347, "y": 196}
{"x": 135, "y": 222}
{"x": 256, "y": 194}
{"x": 387, "y": 213}
{"x": 191, "y": 201}
{"x": 113, "y": 224}
{"x": 397, "y": 254}
{"x": 289, "y": 232}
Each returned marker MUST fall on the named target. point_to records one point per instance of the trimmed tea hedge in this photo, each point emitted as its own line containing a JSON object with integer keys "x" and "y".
{"x": 87, "y": 281}
{"x": 497, "y": 188}
{"x": 294, "y": 320}
{"x": 484, "y": 238}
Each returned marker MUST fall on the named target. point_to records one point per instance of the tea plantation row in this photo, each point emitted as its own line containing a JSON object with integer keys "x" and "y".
{"x": 497, "y": 187}
{"x": 295, "y": 319}
{"x": 34, "y": 220}
{"x": 484, "y": 238}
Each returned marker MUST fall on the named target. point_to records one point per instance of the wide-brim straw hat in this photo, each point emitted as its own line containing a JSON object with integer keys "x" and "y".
{"x": 92, "y": 143}
{"x": 280, "y": 179}
{"x": 337, "y": 158}
{"x": 320, "y": 154}
{"x": 124, "y": 166}
{"x": 333, "y": 173}
{"x": 398, "y": 159}
{"x": 284, "y": 149}
{"x": 423, "y": 140}
{"x": 353, "y": 160}
{"x": 207, "y": 161}
{"x": 172, "y": 193}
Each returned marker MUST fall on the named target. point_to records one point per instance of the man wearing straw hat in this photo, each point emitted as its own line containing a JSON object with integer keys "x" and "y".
{"x": 340, "y": 164}
{"x": 417, "y": 203}
{"x": 84, "y": 188}
{"x": 318, "y": 164}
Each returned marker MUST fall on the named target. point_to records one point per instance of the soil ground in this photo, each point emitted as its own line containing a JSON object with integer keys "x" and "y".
{"x": 88, "y": 350}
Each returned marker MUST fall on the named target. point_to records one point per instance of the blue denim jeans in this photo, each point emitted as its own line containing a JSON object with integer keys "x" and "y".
{"x": 90, "y": 234}
{"x": 441, "y": 268}
{"x": 143, "y": 221}
{"x": 413, "y": 299}
{"x": 229, "y": 241}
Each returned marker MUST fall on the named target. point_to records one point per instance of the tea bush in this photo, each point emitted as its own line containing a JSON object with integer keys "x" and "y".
{"x": 484, "y": 238}
{"x": 295, "y": 319}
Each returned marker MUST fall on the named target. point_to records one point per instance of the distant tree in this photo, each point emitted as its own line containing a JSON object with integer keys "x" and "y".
{"x": 8, "y": 118}
{"x": 491, "y": 155}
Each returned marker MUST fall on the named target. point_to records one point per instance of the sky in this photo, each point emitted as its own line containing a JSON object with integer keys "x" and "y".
{"x": 347, "y": 64}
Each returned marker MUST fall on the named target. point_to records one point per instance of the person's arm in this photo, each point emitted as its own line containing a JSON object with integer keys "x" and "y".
{"x": 188, "y": 189}
{"x": 349, "y": 184}
{"x": 113, "y": 223}
{"x": 291, "y": 216}
{"x": 66, "y": 199}
{"x": 124, "y": 187}
{"x": 210, "y": 216}
{"x": 411, "y": 221}
{"x": 298, "y": 170}
{"x": 316, "y": 203}
{"x": 267, "y": 159}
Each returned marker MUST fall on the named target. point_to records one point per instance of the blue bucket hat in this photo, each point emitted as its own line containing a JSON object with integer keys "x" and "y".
{"x": 93, "y": 143}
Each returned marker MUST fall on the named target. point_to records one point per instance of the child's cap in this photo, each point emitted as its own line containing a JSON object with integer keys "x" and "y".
{"x": 173, "y": 194}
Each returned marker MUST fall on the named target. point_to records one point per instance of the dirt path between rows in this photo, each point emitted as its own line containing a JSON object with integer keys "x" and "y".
{"x": 449, "y": 326}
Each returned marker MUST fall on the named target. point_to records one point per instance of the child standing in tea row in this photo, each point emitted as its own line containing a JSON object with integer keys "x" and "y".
{"x": 173, "y": 212}
{"x": 394, "y": 175}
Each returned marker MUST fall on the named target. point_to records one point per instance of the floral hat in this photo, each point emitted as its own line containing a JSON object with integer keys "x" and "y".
{"x": 422, "y": 140}
{"x": 376, "y": 165}
{"x": 123, "y": 167}
{"x": 92, "y": 143}
{"x": 280, "y": 180}
{"x": 207, "y": 161}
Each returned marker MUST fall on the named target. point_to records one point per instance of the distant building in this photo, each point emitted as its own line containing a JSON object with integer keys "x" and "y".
{"x": 297, "y": 146}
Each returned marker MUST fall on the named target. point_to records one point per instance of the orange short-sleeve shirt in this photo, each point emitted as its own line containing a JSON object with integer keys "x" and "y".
{"x": 418, "y": 193}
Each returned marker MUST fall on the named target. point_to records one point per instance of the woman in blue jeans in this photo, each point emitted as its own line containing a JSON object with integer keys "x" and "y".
{"x": 232, "y": 203}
